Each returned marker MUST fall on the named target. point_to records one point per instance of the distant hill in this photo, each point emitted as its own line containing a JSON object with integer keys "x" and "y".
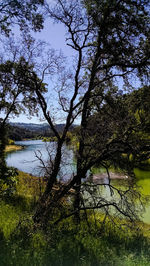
{"x": 28, "y": 125}
{"x": 19, "y": 131}
{"x": 35, "y": 127}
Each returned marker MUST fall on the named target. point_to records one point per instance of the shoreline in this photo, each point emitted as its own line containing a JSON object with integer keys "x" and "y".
{"x": 14, "y": 147}
{"x": 103, "y": 176}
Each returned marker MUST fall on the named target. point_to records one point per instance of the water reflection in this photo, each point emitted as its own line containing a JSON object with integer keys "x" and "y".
{"x": 35, "y": 152}
{"x": 144, "y": 187}
{"x": 26, "y": 161}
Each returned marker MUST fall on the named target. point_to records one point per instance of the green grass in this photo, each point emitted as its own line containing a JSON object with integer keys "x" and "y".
{"x": 21, "y": 243}
{"x": 71, "y": 245}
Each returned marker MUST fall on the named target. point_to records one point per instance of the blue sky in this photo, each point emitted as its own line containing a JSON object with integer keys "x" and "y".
{"x": 53, "y": 34}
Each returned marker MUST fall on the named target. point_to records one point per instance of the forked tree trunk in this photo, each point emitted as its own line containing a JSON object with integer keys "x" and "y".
{"x": 45, "y": 202}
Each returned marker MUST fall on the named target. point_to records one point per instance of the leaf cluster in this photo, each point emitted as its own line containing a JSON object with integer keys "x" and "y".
{"x": 17, "y": 87}
{"x": 24, "y": 13}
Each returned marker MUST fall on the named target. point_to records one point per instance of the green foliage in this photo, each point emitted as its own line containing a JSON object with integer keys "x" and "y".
{"x": 69, "y": 137}
{"x": 119, "y": 22}
{"x": 3, "y": 141}
{"x": 17, "y": 79}
{"x": 71, "y": 245}
{"x": 9, "y": 218}
{"x": 29, "y": 186}
{"x": 25, "y": 14}
{"x": 120, "y": 124}
{"x": 65, "y": 244}
{"x": 8, "y": 181}
{"x": 72, "y": 139}
{"x": 18, "y": 133}
{"x": 49, "y": 139}
{"x": 10, "y": 142}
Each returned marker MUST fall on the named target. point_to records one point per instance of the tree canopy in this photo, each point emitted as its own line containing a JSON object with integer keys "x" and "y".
{"x": 24, "y": 13}
{"x": 17, "y": 94}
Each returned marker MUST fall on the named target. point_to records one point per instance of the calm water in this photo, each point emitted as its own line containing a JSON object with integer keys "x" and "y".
{"x": 144, "y": 185}
{"x": 26, "y": 161}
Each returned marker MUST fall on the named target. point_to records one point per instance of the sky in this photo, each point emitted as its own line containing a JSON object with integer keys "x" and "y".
{"x": 54, "y": 34}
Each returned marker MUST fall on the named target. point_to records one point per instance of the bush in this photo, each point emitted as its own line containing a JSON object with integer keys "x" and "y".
{"x": 8, "y": 181}
{"x": 11, "y": 142}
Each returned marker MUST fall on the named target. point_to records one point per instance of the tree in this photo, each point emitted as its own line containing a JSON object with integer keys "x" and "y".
{"x": 23, "y": 13}
{"x": 138, "y": 105}
{"x": 26, "y": 14}
{"x": 110, "y": 41}
{"x": 120, "y": 120}
{"x": 17, "y": 94}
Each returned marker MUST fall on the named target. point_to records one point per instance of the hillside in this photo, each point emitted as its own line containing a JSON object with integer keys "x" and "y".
{"x": 19, "y": 131}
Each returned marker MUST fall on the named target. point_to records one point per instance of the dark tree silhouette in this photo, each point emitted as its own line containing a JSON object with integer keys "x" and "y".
{"x": 24, "y": 13}
{"x": 110, "y": 43}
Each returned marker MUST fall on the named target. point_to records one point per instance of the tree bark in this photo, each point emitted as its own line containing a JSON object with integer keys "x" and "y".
{"x": 2, "y": 151}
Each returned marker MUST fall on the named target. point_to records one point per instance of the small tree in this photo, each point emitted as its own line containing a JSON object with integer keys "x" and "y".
{"x": 16, "y": 96}
{"x": 13, "y": 97}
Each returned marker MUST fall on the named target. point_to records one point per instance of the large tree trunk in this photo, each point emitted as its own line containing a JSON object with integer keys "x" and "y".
{"x": 77, "y": 201}
{"x": 44, "y": 204}
{"x": 2, "y": 151}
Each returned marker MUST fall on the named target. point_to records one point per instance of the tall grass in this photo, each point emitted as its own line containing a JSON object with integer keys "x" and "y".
{"x": 22, "y": 243}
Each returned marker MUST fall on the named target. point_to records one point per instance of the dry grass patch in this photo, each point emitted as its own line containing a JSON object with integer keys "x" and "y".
{"x": 10, "y": 148}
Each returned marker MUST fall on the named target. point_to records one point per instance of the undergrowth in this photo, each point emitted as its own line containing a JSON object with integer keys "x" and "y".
{"x": 22, "y": 243}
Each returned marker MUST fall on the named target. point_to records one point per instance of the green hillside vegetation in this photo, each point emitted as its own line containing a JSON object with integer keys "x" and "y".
{"x": 20, "y": 131}
{"x": 16, "y": 132}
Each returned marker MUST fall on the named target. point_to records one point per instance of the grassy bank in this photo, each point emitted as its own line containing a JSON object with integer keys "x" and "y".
{"x": 10, "y": 148}
{"x": 21, "y": 243}
{"x": 68, "y": 244}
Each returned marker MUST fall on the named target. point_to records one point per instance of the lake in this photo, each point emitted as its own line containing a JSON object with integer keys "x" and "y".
{"x": 26, "y": 160}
